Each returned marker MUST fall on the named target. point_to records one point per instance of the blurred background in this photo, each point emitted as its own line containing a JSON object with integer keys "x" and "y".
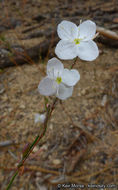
{"x": 81, "y": 142}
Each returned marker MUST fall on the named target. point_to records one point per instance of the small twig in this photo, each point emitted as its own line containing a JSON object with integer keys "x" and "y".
{"x": 107, "y": 167}
{"x": 13, "y": 155}
{"x": 6, "y": 143}
{"x": 43, "y": 170}
{"x": 74, "y": 63}
{"x": 107, "y": 33}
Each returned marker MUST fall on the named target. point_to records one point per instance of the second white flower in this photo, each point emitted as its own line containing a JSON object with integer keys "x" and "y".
{"x": 59, "y": 81}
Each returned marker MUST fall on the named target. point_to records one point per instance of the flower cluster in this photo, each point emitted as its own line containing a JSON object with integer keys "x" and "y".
{"x": 76, "y": 41}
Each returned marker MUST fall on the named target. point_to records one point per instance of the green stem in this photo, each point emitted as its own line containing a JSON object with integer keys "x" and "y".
{"x": 74, "y": 63}
{"x": 12, "y": 179}
{"x": 35, "y": 142}
{"x": 28, "y": 151}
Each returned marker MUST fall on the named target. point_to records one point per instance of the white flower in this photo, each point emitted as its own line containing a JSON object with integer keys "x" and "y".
{"x": 59, "y": 81}
{"x": 77, "y": 41}
{"x": 39, "y": 118}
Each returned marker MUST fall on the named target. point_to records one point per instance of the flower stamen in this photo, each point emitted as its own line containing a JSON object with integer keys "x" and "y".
{"x": 77, "y": 41}
{"x": 59, "y": 80}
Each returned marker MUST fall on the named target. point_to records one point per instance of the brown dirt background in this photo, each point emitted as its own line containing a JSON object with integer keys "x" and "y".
{"x": 93, "y": 106}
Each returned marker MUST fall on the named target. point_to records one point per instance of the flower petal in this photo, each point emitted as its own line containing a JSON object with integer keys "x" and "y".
{"x": 54, "y": 68}
{"x": 88, "y": 51}
{"x": 47, "y": 87}
{"x": 70, "y": 77}
{"x": 64, "y": 92}
{"x": 66, "y": 50}
{"x": 67, "y": 30}
{"x": 39, "y": 118}
{"x": 87, "y": 30}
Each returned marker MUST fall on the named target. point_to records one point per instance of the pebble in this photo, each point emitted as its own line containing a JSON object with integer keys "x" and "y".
{"x": 44, "y": 147}
{"x": 10, "y": 110}
{"x": 56, "y": 161}
{"x": 4, "y": 98}
{"x": 2, "y": 89}
{"x": 83, "y": 92}
{"x": 51, "y": 126}
{"x": 104, "y": 100}
{"x": 35, "y": 149}
{"x": 22, "y": 106}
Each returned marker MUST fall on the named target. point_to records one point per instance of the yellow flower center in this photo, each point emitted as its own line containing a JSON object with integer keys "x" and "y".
{"x": 77, "y": 41}
{"x": 58, "y": 80}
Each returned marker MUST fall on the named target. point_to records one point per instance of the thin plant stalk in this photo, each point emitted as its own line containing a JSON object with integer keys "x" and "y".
{"x": 75, "y": 61}
{"x": 12, "y": 179}
{"x": 35, "y": 142}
